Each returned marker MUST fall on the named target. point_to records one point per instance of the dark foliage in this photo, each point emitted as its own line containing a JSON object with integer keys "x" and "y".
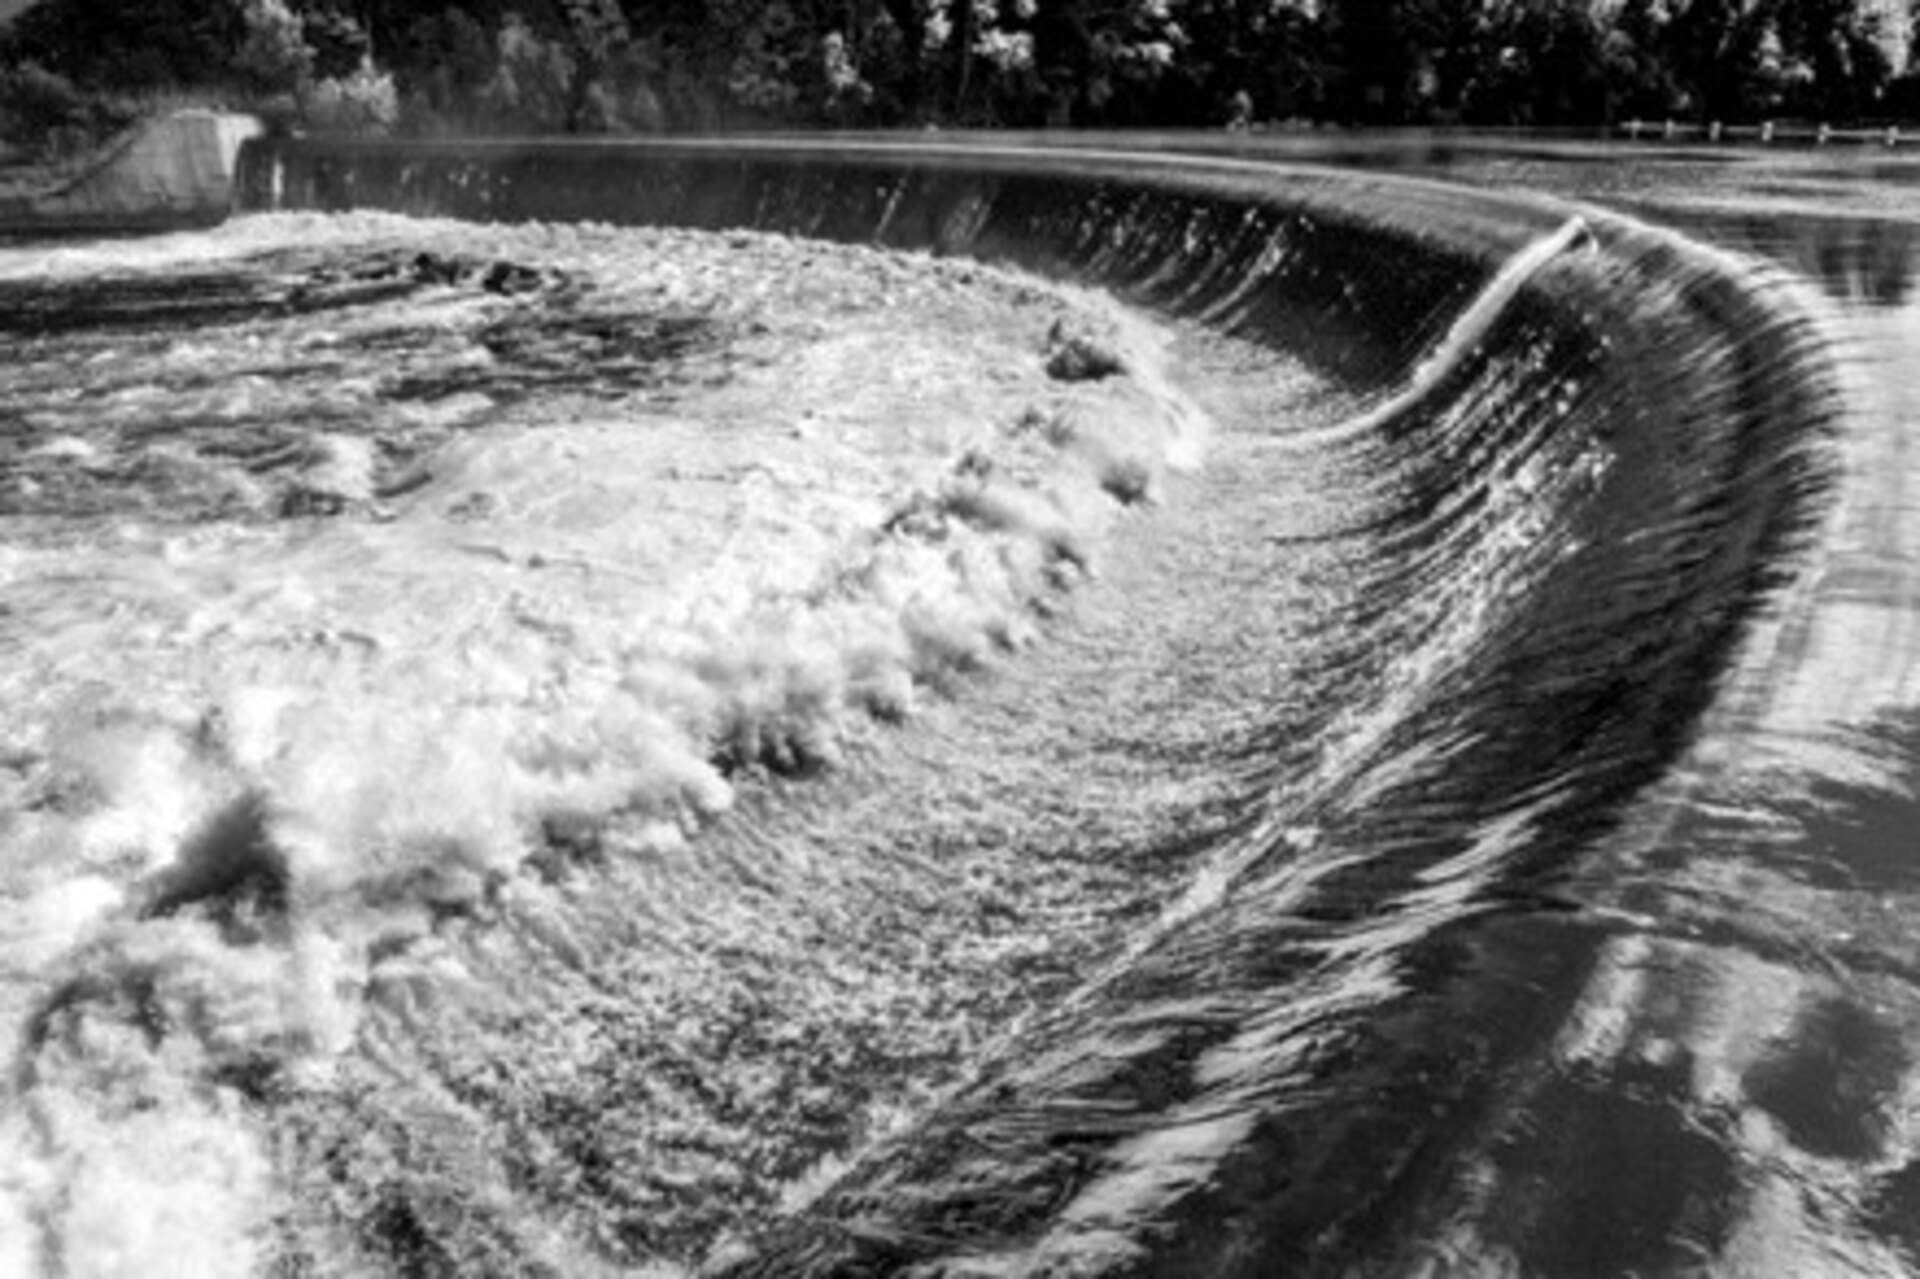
{"x": 599, "y": 65}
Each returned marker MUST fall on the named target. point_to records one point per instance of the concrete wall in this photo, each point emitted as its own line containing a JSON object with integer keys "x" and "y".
{"x": 175, "y": 172}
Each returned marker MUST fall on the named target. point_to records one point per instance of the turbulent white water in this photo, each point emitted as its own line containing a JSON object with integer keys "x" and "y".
{"x": 559, "y": 750}
{"x": 364, "y": 578}
{"x": 1429, "y": 840}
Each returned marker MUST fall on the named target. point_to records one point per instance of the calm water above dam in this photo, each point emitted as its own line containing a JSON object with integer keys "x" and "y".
{"x": 574, "y": 749}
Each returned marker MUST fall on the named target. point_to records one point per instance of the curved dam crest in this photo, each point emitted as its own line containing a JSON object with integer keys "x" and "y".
{"x": 1569, "y": 489}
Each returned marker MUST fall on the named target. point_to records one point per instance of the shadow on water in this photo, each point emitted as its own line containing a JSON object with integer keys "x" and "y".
{"x": 1629, "y": 1179}
{"x": 1859, "y": 834}
{"x": 1832, "y": 1082}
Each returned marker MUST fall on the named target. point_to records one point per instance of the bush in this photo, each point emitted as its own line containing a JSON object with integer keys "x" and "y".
{"x": 35, "y": 101}
{"x": 43, "y": 114}
{"x": 274, "y": 57}
{"x": 532, "y": 81}
{"x": 339, "y": 44}
{"x": 621, "y": 98}
{"x": 365, "y": 101}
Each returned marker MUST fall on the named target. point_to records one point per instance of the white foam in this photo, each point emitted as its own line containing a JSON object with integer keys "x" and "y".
{"x": 578, "y": 610}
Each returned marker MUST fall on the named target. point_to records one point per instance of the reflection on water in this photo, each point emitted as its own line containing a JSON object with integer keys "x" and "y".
{"x": 1737, "y": 1089}
{"x": 1864, "y": 261}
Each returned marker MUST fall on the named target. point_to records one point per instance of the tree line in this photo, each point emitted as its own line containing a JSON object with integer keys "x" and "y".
{"x": 644, "y": 65}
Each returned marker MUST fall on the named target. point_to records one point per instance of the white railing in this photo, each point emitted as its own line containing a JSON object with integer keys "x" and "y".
{"x": 1765, "y": 133}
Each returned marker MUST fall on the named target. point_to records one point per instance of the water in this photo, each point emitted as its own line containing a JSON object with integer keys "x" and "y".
{"x": 396, "y": 611}
{"x": 572, "y": 750}
{"x": 1740, "y": 1058}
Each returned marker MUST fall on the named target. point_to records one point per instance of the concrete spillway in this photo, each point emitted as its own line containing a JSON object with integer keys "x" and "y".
{"x": 1408, "y": 998}
{"x": 1282, "y": 1077}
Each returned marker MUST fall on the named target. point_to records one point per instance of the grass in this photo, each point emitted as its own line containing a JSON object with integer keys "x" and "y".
{"x": 25, "y": 173}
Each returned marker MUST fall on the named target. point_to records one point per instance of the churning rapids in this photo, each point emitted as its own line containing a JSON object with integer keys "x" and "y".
{"x": 562, "y": 749}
